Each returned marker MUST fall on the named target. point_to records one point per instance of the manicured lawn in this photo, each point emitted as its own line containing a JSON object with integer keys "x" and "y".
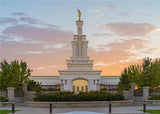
{"x": 152, "y": 111}
{"x": 6, "y": 111}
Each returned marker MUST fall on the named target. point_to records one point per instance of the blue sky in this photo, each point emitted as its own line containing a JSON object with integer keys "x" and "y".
{"x": 120, "y": 32}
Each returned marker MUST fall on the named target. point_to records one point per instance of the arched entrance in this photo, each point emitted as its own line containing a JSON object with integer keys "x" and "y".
{"x": 80, "y": 85}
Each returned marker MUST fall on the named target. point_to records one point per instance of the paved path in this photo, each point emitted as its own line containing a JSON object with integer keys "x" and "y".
{"x": 98, "y": 110}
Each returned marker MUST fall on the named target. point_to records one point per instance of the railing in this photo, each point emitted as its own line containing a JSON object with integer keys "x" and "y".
{"x": 138, "y": 92}
{"x": 50, "y": 87}
{"x": 109, "y": 87}
{"x": 154, "y": 91}
{"x": 19, "y": 94}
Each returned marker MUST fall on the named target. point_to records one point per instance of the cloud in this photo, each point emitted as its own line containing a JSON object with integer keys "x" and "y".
{"x": 128, "y": 45}
{"x": 29, "y": 20}
{"x": 94, "y": 10}
{"x": 119, "y": 50}
{"x": 8, "y": 20}
{"x": 103, "y": 34}
{"x": 121, "y": 53}
{"x": 33, "y": 33}
{"x": 33, "y": 52}
{"x": 131, "y": 29}
{"x": 21, "y": 40}
{"x": 124, "y": 14}
{"x": 19, "y": 14}
{"x": 56, "y": 46}
{"x": 99, "y": 15}
{"x": 110, "y": 6}
{"x": 35, "y": 42}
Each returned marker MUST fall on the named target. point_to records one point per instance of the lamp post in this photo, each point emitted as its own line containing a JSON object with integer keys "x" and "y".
{"x": 13, "y": 107}
{"x": 110, "y": 107}
{"x": 50, "y": 107}
{"x": 144, "y": 107}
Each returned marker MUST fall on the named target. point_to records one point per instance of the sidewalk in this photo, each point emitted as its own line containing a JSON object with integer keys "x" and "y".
{"x": 98, "y": 110}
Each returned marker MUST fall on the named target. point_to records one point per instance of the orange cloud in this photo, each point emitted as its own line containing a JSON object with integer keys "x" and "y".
{"x": 130, "y": 29}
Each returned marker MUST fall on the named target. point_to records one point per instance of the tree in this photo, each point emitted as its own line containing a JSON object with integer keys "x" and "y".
{"x": 14, "y": 74}
{"x": 151, "y": 73}
{"x": 124, "y": 81}
{"x": 34, "y": 86}
{"x": 147, "y": 74}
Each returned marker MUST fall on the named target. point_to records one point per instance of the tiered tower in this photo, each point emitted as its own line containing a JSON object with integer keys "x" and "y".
{"x": 79, "y": 75}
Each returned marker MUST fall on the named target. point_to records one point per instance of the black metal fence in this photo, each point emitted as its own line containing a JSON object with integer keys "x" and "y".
{"x": 138, "y": 92}
{"x": 154, "y": 91}
{"x": 19, "y": 94}
{"x": 50, "y": 87}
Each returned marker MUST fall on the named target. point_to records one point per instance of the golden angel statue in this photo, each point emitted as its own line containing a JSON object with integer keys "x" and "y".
{"x": 79, "y": 14}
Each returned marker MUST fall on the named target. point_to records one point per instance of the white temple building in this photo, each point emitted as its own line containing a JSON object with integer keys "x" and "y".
{"x": 79, "y": 75}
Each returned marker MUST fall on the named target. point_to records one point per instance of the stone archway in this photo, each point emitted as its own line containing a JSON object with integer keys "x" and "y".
{"x": 80, "y": 85}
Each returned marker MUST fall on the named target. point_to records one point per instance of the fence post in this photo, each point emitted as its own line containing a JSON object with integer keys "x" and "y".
{"x": 132, "y": 91}
{"x": 25, "y": 91}
{"x": 13, "y": 107}
{"x": 110, "y": 107}
{"x": 145, "y": 93}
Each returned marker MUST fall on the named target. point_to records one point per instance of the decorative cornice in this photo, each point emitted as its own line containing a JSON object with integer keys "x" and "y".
{"x": 75, "y": 36}
{"x": 79, "y": 58}
{"x": 65, "y": 72}
{"x": 79, "y": 22}
{"x": 85, "y": 42}
{"x": 79, "y": 62}
{"x": 74, "y": 42}
{"x": 83, "y": 36}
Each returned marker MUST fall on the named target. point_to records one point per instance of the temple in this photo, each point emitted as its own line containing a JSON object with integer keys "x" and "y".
{"x": 79, "y": 75}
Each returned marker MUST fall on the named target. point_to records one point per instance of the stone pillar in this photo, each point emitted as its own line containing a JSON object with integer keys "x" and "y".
{"x": 132, "y": 90}
{"x": 145, "y": 93}
{"x": 10, "y": 93}
{"x": 25, "y": 91}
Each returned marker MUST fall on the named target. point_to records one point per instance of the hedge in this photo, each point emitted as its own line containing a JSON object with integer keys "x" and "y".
{"x": 155, "y": 97}
{"x": 82, "y": 96}
{"x": 3, "y": 99}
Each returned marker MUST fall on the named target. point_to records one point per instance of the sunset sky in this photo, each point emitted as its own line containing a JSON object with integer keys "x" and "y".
{"x": 120, "y": 32}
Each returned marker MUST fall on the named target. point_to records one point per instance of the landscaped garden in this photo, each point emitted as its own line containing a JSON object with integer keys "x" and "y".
{"x": 82, "y": 96}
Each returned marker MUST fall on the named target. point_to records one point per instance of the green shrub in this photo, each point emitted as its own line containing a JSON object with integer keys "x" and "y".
{"x": 155, "y": 97}
{"x": 3, "y": 99}
{"x": 82, "y": 96}
{"x": 118, "y": 96}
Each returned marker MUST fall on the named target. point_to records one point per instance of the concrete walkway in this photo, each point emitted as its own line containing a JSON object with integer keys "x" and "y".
{"x": 97, "y": 110}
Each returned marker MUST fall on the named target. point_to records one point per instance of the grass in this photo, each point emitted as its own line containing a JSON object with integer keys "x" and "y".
{"x": 152, "y": 111}
{"x": 6, "y": 111}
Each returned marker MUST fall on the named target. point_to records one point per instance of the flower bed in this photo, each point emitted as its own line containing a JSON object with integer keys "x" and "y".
{"x": 82, "y": 96}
